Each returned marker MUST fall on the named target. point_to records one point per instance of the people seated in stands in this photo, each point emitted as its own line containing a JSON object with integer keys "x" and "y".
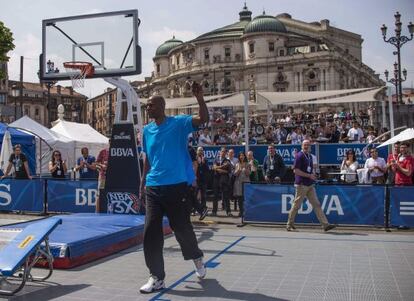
{"x": 18, "y": 160}
{"x": 236, "y": 137}
{"x": 333, "y": 134}
{"x": 371, "y": 137}
{"x": 280, "y": 134}
{"x": 403, "y": 166}
{"x": 273, "y": 166}
{"x": 392, "y": 158}
{"x": 376, "y": 167}
{"x": 349, "y": 167}
{"x": 296, "y": 136}
{"x": 269, "y": 135}
{"x": 355, "y": 134}
{"x": 205, "y": 139}
{"x": 242, "y": 174}
{"x": 86, "y": 165}
{"x": 57, "y": 166}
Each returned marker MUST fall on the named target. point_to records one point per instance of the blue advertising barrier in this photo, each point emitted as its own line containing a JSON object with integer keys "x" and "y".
{"x": 286, "y": 151}
{"x": 333, "y": 154}
{"x": 402, "y": 206}
{"x": 71, "y": 196}
{"x": 356, "y": 205}
{"x": 328, "y": 154}
{"x": 21, "y": 195}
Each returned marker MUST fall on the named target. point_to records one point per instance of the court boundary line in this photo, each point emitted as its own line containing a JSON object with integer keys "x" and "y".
{"x": 321, "y": 239}
{"x": 182, "y": 279}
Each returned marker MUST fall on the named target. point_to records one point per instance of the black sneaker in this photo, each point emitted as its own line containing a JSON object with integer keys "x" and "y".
{"x": 203, "y": 214}
{"x": 329, "y": 227}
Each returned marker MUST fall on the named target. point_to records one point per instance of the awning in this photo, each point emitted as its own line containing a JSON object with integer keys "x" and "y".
{"x": 405, "y": 135}
{"x": 365, "y": 96}
{"x": 278, "y": 98}
{"x": 236, "y": 100}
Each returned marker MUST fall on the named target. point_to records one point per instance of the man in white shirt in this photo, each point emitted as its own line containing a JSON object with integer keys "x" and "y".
{"x": 376, "y": 167}
{"x": 205, "y": 139}
{"x": 355, "y": 134}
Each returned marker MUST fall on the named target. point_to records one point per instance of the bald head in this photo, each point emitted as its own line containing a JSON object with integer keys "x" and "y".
{"x": 156, "y": 107}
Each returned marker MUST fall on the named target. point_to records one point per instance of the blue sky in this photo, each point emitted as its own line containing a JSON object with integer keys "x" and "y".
{"x": 188, "y": 19}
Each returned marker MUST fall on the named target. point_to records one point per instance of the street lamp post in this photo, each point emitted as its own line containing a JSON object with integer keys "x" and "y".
{"x": 50, "y": 67}
{"x": 398, "y": 40}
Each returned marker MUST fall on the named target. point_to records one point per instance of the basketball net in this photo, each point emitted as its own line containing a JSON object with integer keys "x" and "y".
{"x": 78, "y": 71}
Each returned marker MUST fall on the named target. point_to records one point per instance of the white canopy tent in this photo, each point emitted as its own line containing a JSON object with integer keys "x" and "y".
{"x": 363, "y": 96}
{"x": 407, "y": 134}
{"x": 278, "y": 98}
{"x": 83, "y": 135}
{"x": 55, "y": 140}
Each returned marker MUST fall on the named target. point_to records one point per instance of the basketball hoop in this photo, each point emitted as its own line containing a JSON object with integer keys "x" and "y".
{"x": 78, "y": 71}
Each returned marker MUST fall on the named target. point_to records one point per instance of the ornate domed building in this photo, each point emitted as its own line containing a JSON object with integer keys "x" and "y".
{"x": 264, "y": 53}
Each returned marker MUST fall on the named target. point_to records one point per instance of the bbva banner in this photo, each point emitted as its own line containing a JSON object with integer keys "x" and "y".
{"x": 21, "y": 195}
{"x": 355, "y": 205}
{"x": 71, "y": 196}
{"x": 402, "y": 206}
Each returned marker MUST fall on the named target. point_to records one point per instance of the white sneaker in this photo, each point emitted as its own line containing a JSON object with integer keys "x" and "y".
{"x": 200, "y": 268}
{"x": 152, "y": 285}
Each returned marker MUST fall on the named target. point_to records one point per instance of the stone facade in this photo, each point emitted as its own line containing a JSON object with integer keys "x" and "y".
{"x": 101, "y": 111}
{"x": 34, "y": 102}
{"x": 265, "y": 53}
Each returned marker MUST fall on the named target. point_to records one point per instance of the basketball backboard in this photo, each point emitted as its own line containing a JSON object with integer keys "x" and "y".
{"x": 109, "y": 41}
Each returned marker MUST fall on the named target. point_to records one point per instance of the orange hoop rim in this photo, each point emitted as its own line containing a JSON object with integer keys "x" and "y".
{"x": 86, "y": 68}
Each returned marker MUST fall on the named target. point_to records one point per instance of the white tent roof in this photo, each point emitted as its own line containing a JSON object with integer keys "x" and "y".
{"x": 80, "y": 132}
{"x": 405, "y": 135}
{"x": 277, "y": 98}
{"x": 26, "y": 123}
{"x": 55, "y": 140}
{"x": 365, "y": 96}
{"x": 236, "y": 100}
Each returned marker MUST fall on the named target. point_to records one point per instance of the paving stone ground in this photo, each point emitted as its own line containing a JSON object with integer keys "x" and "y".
{"x": 253, "y": 263}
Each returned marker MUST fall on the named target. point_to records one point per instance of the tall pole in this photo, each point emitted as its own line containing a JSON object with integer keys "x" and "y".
{"x": 49, "y": 119}
{"x": 391, "y": 111}
{"x": 246, "y": 95}
{"x": 398, "y": 41}
{"x": 21, "y": 86}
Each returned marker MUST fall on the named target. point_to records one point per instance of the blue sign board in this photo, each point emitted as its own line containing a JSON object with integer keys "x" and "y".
{"x": 21, "y": 195}
{"x": 333, "y": 154}
{"x": 71, "y": 196}
{"x": 356, "y": 205}
{"x": 286, "y": 151}
{"x": 402, "y": 206}
{"x": 329, "y": 154}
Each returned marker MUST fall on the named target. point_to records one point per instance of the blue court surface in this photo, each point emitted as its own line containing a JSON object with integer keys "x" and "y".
{"x": 252, "y": 263}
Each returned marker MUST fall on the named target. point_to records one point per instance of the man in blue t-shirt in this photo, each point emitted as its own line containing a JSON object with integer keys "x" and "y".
{"x": 305, "y": 188}
{"x": 86, "y": 165}
{"x": 164, "y": 181}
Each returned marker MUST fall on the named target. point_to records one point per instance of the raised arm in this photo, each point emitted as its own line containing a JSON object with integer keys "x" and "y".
{"x": 202, "y": 116}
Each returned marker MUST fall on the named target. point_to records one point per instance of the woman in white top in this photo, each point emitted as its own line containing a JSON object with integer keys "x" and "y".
{"x": 349, "y": 167}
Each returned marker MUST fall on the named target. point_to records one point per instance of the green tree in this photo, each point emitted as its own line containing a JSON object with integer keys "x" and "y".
{"x": 6, "y": 44}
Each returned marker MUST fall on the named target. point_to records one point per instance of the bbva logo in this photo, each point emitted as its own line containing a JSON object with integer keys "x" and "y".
{"x": 330, "y": 203}
{"x": 5, "y": 196}
{"x": 86, "y": 197}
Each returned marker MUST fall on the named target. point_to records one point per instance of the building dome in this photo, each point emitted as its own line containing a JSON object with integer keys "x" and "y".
{"x": 164, "y": 48}
{"x": 265, "y": 23}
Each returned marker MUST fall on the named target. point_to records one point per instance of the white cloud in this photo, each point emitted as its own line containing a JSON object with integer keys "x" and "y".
{"x": 158, "y": 37}
{"x": 29, "y": 47}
